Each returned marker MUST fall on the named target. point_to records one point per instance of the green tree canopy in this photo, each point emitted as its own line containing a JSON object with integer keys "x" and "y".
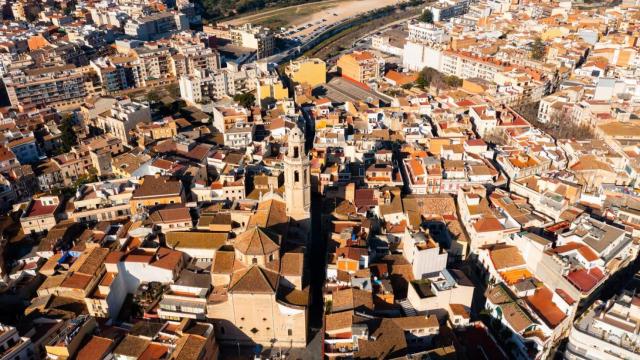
{"x": 427, "y": 16}
{"x": 538, "y": 49}
{"x": 247, "y": 100}
{"x": 68, "y": 138}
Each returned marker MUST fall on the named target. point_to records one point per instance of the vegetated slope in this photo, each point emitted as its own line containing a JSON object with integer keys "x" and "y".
{"x": 218, "y": 9}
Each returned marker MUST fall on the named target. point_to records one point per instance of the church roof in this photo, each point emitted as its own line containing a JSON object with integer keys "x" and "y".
{"x": 269, "y": 214}
{"x": 256, "y": 241}
{"x": 254, "y": 279}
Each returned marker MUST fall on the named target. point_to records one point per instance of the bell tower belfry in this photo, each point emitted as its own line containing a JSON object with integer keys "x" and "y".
{"x": 297, "y": 180}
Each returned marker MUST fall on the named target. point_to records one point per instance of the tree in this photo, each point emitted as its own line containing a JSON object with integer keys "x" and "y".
{"x": 426, "y": 76}
{"x": 153, "y": 96}
{"x": 247, "y": 100}
{"x": 560, "y": 124}
{"x": 174, "y": 90}
{"x": 453, "y": 81}
{"x": 427, "y": 16}
{"x": 68, "y": 138}
{"x": 538, "y": 49}
{"x": 430, "y": 77}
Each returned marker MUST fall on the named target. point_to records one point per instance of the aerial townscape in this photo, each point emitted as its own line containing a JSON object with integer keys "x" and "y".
{"x": 329, "y": 179}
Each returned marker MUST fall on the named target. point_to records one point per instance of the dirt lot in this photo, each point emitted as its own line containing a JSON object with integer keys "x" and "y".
{"x": 313, "y": 14}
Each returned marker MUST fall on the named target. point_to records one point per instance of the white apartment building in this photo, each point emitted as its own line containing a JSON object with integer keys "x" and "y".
{"x": 156, "y": 25}
{"x": 12, "y": 346}
{"x": 424, "y": 254}
{"x": 422, "y": 31}
{"x": 607, "y": 331}
{"x": 416, "y": 55}
{"x": 123, "y": 116}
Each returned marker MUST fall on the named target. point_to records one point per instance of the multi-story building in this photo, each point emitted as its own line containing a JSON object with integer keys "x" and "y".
{"x": 123, "y": 117}
{"x": 17, "y": 10}
{"x": 360, "y": 66}
{"x": 187, "y": 297}
{"x": 201, "y": 88}
{"x": 156, "y": 190}
{"x": 225, "y": 118}
{"x": 13, "y": 346}
{"x": 66, "y": 343}
{"x": 271, "y": 87}
{"x": 108, "y": 295}
{"x": 119, "y": 72}
{"x": 101, "y": 201}
{"x": 424, "y": 254}
{"x": 425, "y": 32}
{"x": 447, "y": 9}
{"x": 607, "y": 330}
{"x": 25, "y": 149}
{"x": 40, "y": 215}
{"x": 312, "y": 72}
{"x": 193, "y": 60}
{"x": 156, "y": 62}
{"x": 253, "y": 37}
{"x": 239, "y": 136}
{"x": 61, "y": 86}
{"x": 156, "y": 25}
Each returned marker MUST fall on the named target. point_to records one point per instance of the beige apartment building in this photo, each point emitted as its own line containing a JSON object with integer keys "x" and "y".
{"x": 40, "y": 215}
{"x": 62, "y": 87}
{"x": 258, "y": 38}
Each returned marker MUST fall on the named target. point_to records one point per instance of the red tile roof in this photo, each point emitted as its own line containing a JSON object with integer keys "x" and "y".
{"x": 488, "y": 224}
{"x": 39, "y": 209}
{"x": 585, "y": 280}
{"x": 95, "y": 348}
{"x": 565, "y": 296}
{"x": 541, "y": 303}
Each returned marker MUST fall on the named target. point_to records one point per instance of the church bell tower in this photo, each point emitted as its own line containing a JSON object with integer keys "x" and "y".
{"x": 297, "y": 181}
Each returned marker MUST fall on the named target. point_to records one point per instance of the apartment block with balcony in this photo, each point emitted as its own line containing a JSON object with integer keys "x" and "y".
{"x": 67, "y": 342}
{"x": 155, "y": 26}
{"x": 360, "y": 66}
{"x": 108, "y": 296}
{"x": 187, "y": 296}
{"x": 254, "y": 37}
{"x": 105, "y": 200}
{"x": 13, "y": 346}
{"x": 607, "y": 331}
{"x": 123, "y": 117}
{"x": 61, "y": 87}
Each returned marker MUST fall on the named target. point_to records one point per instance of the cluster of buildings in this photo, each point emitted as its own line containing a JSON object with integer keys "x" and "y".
{"x": 174, "y": 196}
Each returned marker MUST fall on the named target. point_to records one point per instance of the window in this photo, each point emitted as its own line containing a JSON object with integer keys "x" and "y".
{"x": 289, "y": 332}
{"x": 296, "y": 176}
{"x": 254, "y": 261}
{"x": 296, "y": 152}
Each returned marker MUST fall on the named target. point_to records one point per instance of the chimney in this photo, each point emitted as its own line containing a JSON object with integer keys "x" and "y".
{"x": 350, "y": 192}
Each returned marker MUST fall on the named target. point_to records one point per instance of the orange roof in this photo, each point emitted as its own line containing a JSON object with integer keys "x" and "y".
{"x": 513, "y": 276}
{"x": 400, "y": 78}
{"x": 362, "y": 55}
{"x": 549, "y": 312}
{"x": 583, "y": 249}
{"x": 487, "y": 224}
{"x": 37, "y": 42}
{"x": 416, "y": 167}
